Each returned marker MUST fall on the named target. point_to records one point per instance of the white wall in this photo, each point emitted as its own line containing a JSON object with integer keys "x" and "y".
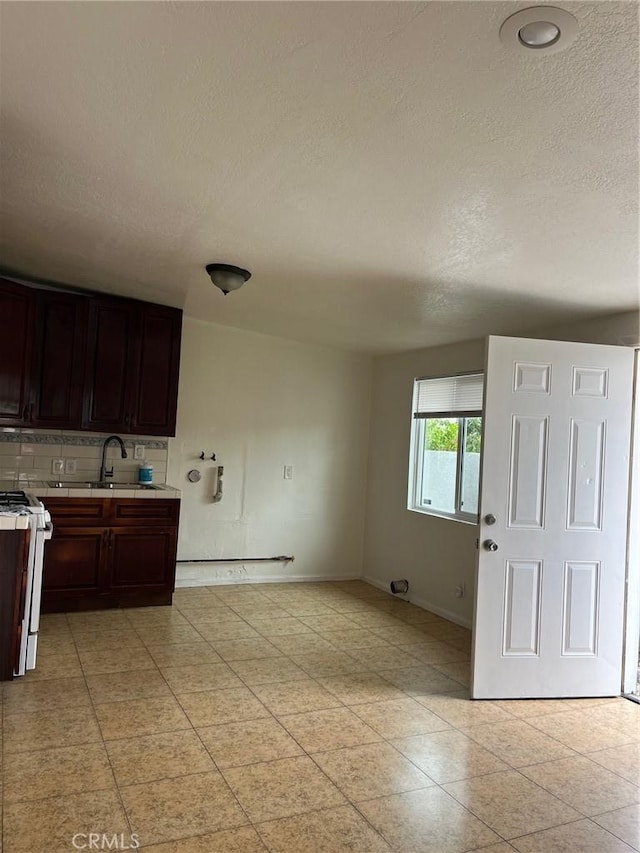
{"x": 617, "y": 329}
{"x": 261, "y": 403}
{"x": 435, "y": 554}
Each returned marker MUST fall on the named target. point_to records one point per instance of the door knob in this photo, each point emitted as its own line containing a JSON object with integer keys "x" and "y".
{"x": 490, "y": 545}
{"x": 490, "y": 519}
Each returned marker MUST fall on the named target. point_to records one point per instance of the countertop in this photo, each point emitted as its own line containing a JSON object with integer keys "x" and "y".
{"x": 161, "y": 490}
{"x": 42, "y": 489}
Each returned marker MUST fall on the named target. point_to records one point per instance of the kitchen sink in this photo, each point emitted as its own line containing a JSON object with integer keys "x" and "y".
{"x": 71, "y": 484}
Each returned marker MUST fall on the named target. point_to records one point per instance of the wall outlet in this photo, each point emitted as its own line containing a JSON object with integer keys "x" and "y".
{"x": 138, "y": 451}
{"x": 288, "y": 472}
{"x": 57, "y": 466}
{"x": 70, "y": 466}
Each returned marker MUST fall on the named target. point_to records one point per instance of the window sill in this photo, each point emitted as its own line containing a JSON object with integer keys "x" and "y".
{"x": 464, "y": 519}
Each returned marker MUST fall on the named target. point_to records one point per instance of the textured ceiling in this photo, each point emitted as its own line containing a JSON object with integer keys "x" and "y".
{"x": 393, "y": 176}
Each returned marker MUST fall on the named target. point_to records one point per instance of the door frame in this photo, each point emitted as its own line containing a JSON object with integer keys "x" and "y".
{"x": 632, "y": 604}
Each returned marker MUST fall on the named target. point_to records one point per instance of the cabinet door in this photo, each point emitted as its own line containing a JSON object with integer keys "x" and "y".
{"x": 155, "y": 393}
{"x": 14, "y": 551}
{"x": 142, "y": 557}
{"x": 58, "y": 360}
{"x": 74, "y": 563}
{"x": 110, "y": 364}
{"x": 16, "y": 318}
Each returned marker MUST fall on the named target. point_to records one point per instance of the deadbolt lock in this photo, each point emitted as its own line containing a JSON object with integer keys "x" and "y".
{"x": 490, "y": 519}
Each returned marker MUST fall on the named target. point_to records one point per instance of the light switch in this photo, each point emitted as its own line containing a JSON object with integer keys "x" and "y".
{"x": 288, "y": 472}
{"x": 57, "y": 466}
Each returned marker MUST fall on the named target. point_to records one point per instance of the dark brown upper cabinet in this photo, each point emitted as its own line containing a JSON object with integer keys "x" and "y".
{"x": 16, "y": 336}
{"x": 58, "y": 361}
{"x": 132, "y": 367}
{"x": 75, "y": 361}
{"x": 110, "y": 365}
{"x": 155, "y": 388}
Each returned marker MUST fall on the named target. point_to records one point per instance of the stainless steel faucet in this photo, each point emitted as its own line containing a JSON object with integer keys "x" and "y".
{"x": 108, "y": 472}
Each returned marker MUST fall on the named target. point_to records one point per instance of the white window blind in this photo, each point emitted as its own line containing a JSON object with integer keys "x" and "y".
{"x": 449, "y": 396}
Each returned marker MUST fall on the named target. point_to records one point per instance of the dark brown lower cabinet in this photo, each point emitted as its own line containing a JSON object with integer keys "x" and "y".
{"x": 110, "y": 553}
{"x": 142, "y": 557}
{"x": 75, "y": 560}
{"x": 14, "y": 551}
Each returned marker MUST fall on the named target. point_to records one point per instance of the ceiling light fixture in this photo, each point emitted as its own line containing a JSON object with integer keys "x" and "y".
{"x": 227, "y": 277}
{"x": 539, "y": 34}
{"x": 540, "y": 28}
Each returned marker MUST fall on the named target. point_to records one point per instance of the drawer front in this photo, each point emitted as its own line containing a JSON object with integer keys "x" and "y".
{"x": 78, "y": 512}
{"x": 133, "y": 512}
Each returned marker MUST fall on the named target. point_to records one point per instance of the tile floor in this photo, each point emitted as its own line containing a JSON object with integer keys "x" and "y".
{"x": 297, "y": 718}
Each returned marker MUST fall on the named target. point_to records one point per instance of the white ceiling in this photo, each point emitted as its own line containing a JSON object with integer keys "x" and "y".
{"x": 393, "y": 176}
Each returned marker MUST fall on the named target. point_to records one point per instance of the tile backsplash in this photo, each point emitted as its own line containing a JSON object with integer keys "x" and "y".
{"x": 27, "y": 456}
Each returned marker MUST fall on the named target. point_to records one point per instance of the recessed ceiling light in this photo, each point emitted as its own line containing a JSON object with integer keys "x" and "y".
{"x": 539, "y": 34}
{"x": 540, "y": 28}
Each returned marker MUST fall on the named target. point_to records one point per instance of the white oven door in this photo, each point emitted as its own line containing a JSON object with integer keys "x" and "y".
{"x": 42, "y": 536}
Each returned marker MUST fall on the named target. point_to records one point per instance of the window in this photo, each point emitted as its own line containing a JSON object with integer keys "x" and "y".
{"x": 446, "y": 436}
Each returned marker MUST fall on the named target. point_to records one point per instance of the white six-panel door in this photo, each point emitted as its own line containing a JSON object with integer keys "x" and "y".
{"x": 555, "y": 475}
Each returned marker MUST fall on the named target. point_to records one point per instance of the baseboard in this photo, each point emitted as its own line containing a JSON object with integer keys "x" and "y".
{"x": 184, "y": 582}
{"x": 421, "y": 602}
